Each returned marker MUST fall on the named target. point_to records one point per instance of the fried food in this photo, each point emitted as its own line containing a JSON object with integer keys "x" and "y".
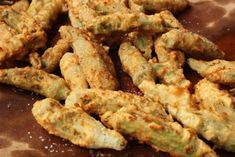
{"x": 89, "y": 10}
{"x": 51, "y": 57}
{"x": 21, "y": 5}
{"x": 94, "y": 67}
{"x": 141, "y": 118}
{"x": 169, "y": 74}
{"x": 72, "y": 71}
{"x": 35, "y": 60}
{"x": 35, "y": 80}
{"x": 6, "y": 32}
{"x": 104, "y": 7}
{"x": 135, "y": 64}
{"x": 219, "y": 71}
{"x": 169, "y": 69}
{"x": 161, "y": 5}
{"x": 216, "y": 125}
{"x": 29, "y": 36}
{"x": 190, "y": 43}
{"x": 100, "y": 101}
{"x": 45, "y": 12}
{"x": 75, "y": 125}
{"x": 127, "y": 22}
{"x": 135, "y": 7}
{"x": 142, "y": 41}
{"x": 161, "y": 135}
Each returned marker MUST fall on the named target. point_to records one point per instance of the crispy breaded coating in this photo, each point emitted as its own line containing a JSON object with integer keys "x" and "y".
{"x": 135, "y": 64}
{"x": 96, "y": 70}
{"x": 100, "y": 101}
{"x": 6, "y": 32}
{"x": 214, "y": 122}
{"x": 21, "y": 5}
{"x": 104, "y": 7}
{"x": 45, "y": 12}
{"x": 219, "y": 71}
{"x": 72, "y": 71}
{"x": 160, "y": 134}
{"x": 80, "y": 17}
{"x": 89, "y": 10}
{"x": 75, "y": 125}
{"x": 160, "y": 5}
{"x": 35, "y": 80}
{"x": 169, "y": 69}
{"x": 141, "y": 118}
{"x": 142, "y": 41}
{"x": 135, "y": 7}
{"x": 221, "y": 105}
{"x": 127, "y": 22}
{"x": 169, "y": 74}
{"x": 190, "y": 43}
{"x": 51, "y": 57}
{"x": 35, "y": 60}
{"x": 29, "y": 36}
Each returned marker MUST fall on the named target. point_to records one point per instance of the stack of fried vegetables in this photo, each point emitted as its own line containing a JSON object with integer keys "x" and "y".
{"x": 88, "y": 81}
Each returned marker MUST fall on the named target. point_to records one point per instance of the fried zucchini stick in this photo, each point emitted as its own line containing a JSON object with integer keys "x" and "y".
{"x": 141, "y": 118}
{"x": 219, "y": 71}
{"x": 214, "y": 126}
{"x": 51, "y": 57}
{"x": 75, "y": 125}
{"x": 191, "y": 44}
{"x": 127, "y": 22}
{"x": 161, "y": 5}
{"x": 135, "y": 64}
{"x": 35, "y": 80}
{"x": 72, "y": 71}
{"x": 45, "y": 12}
{"x": 96, "y": 68}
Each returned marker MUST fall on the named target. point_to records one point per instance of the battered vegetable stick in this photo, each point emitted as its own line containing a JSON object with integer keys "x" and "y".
{"x": 51, "y": 57}
{"x": 102, "y": 7}
{"x": 142, "y": 41}
{"x": 160, "y": 5}
{"x": 6, "y": 31}
{"x": 95, "y": 69}
{"x": 161, "y": 134}
{"x": 72, "y": 72}
{"x": 127, "y": 22}
{"x": 45, "y": 11}
{"x": 191, "y": 44}
{"x": 20, "y": 5}
{"x": 169, "y": 69}
{"x": 80, "y": 17}
{"x": 219, "y": 71}
{"x": 135, "y": 7}
{"x": 35, "y": 60}
{"x": 170, "y": 75}
{"x": 76, "y": 125}
{"x": 88, "y": 10}
{"x": 140, "y": 118}
{"x": 214, "y": 126}
{"x": 135, "y": 64}
{"x": 29, "y": 37}
{"x": 99, "y": 101}
{"x": 35, "y": 80}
